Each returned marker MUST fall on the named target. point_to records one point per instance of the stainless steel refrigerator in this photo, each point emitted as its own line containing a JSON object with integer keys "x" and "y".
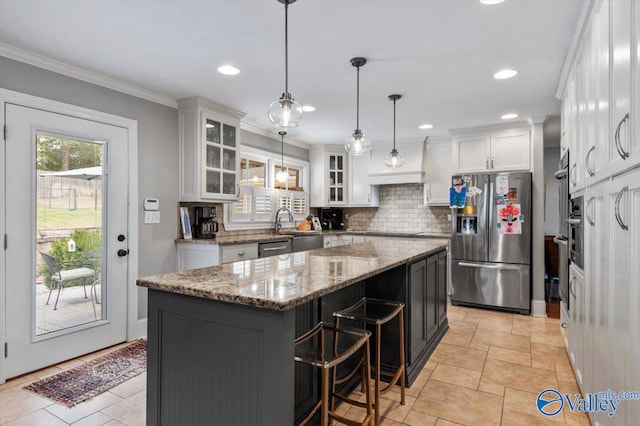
{"x": 491, "y": 241}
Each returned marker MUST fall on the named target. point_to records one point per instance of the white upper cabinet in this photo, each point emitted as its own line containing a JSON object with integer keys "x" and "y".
{"x": 209, "y": 151}
{"x": 360, "y": 193}
{"x": 604, "y": 140}
{"x": 503, "y": 150}
{"x": 328, "y": 181}
{"x": 438, "y": 172}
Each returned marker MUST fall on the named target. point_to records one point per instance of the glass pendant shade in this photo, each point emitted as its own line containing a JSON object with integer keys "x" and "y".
{"x": 394, "y": 159}
{"x": 285, "y": 113}
{"x": 283, "y": 175}
{"x": 357, "y": 144}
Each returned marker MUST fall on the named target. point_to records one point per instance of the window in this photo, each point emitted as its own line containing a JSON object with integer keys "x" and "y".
{"x": 260, "y": 195}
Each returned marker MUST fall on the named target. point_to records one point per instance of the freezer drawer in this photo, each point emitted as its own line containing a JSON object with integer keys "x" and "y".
{"x": 500, "y": 285}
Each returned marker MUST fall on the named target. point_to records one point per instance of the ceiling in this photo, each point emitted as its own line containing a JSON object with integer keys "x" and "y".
{"x": 440, "y": 55}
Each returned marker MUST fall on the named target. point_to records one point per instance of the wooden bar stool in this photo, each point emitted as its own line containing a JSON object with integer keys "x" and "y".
{"x": 317, "y": 348}
{"x": 377, "y": 312}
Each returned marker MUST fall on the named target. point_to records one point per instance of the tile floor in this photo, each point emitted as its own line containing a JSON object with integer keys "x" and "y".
{"x": 488, "y": 370}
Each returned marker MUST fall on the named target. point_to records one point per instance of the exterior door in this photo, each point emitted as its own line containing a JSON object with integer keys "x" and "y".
{"x": 66, "y": 224}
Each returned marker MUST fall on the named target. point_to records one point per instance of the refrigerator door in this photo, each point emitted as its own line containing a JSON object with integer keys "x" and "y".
{"x": 491, "y": 284}
{"x": 468, "y": 231}
{"x": 509, "y": 223}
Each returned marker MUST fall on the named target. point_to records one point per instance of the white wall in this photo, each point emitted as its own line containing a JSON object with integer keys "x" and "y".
{"x": 551, "y": 219}
{"x": 157, "y": 153}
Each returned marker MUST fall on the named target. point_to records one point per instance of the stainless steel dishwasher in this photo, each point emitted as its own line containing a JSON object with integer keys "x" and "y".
{"x": 307, "y": 242}
{"x": 274, "y": 248}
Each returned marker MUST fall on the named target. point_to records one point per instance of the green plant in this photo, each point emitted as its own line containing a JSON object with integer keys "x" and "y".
{"x": 86, "y": 242}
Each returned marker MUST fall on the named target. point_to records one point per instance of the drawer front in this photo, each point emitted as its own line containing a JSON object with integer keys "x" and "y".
{"x": 236, "y": 252}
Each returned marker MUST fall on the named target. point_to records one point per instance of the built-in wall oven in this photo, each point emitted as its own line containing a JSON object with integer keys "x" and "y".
{"x": 562, "y": 239}
{"x": 576, "y": 236}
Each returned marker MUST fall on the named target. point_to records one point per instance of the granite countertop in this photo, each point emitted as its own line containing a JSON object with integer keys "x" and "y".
{"x": 264, "y": 237}
{"x": 283, "y": 282}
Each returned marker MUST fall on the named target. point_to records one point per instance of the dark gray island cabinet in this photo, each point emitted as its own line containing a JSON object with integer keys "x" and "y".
{"x": 221, "y": 339}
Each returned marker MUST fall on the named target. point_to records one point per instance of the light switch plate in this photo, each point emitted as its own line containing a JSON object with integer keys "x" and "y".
{"x": 152, "y": 217}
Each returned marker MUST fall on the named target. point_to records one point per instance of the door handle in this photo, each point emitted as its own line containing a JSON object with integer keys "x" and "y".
{"x": 487, "y": 163}
{"x": 123, "y": 253}
{"x": 586, "y": 161}
{"x": 621, "y": 152}
{"x": 560, "y": 241}
{"x": 489, "y": 266}
{"x": 587, "y": 209}
{"x": 561, "y": 174}
{"x": 616, "y": 208}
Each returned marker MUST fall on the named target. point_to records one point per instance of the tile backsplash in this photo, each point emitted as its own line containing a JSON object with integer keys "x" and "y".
{"x": 401, "y": 210}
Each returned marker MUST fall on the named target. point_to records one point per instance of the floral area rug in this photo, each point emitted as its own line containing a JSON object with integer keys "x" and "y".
{"x": 85, "y": 381}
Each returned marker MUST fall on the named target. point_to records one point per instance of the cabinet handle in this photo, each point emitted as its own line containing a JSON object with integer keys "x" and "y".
{"x": 492, "y": 162}
{"x": 621, "y": 152}
{"x": 428, "y": 195}
{"x": 616, "y": 208}
{"x": 586, "y": 161}
{"x": 326, "y": 243}
{"x": 564, "y": 325}
{"x": 572, "y": 174}
{"x": 573, "y": 280}
{"x": 587, "y": 209}
{"x": 369, "y": 197}
{"x": 241, "y": 253}
{"x": 274, "y": 248}
{"x": 487, "y": 163}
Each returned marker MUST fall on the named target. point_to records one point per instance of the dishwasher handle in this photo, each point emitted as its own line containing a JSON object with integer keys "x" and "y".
{"x": 489, "y": 266}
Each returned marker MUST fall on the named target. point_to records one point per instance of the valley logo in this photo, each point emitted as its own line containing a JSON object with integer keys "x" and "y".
{"x": 550, "y": 402}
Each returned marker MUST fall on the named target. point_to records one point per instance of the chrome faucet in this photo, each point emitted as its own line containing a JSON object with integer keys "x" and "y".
{"x": 276, "y": 223}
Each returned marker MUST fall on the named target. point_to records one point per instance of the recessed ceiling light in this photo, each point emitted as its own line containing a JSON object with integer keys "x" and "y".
{"x": 505, "y": 73}
{"x": 308, "y": 108}
{"x": 490, "y": 2}
{"x": 426, "y": 126}
{"x": 228, "y": 70}
{"x": 509, "y": 116}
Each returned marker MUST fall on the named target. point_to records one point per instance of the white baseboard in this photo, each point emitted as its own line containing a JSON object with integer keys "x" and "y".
{"x": 141, "y": 330}
{"x": 538, "y": 308}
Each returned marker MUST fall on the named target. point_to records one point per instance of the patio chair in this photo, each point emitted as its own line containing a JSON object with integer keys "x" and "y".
{"x": 62, "y": 272}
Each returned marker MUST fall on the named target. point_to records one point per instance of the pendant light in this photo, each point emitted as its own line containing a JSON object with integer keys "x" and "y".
{"x": 357, "y": 144}
{"x": 394, "y": 158}
{"x": 283, "y": 174}
{"x": 285, "y": 112}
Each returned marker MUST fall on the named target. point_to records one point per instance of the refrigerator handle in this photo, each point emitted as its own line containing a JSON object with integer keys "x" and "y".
{"x": 488, "y": 225}
{"x": 489, "y": 266}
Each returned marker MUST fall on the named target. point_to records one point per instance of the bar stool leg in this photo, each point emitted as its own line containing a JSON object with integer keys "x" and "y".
{"x": 324, "y": 407}
{"x": 377, "y": 383}
{"x": 367, "y": 384}
{"x": 402, "y": 361}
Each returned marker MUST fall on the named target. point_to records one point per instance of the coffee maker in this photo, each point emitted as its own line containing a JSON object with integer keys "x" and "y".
{"x": 205, "y": 225}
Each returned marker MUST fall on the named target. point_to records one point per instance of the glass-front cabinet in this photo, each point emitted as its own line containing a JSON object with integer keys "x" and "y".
{"x": 209, "y": 150}
{"x": 336, "y": 182}
{"x": 328, "y": 184}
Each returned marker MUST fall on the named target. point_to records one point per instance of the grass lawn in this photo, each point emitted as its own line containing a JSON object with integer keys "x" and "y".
{"x": 63, "y": 218}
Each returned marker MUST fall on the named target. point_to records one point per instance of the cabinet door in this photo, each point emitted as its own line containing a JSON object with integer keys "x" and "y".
{"x": 576, "y": 314}
{"x": 194, "y": 255}
{"x": 604, "y": 141}
{"x": 360, "y": 193}
{"x": 336, "y": 176}
{"x": 577, "y": 148}
{"x": 588, "y": 117}
{"x": 442, "y": 288}
{"x": 621, "y": 121}
{"x": 438, "y": 173}
{"x": 633, "y": 352}
{"x": 591, "y": 265}
{"x": 417, "y": 309}
{"x": 472, "y": 154}
{"x": 221, "y": 159}
{"x": 510, "y": 150}
{"x": 432, "y": 296}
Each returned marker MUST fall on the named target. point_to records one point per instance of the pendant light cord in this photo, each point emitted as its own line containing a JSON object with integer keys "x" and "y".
{"x": 286, "y": 49}
{"x": 282, "y": 150}
{"x": 394, "y": 124}
{"x": 358, "y": 99}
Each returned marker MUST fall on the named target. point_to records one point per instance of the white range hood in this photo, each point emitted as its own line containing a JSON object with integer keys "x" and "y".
{"x": 412, "y": 171}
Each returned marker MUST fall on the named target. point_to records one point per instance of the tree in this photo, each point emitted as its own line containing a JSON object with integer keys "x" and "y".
{"x": 56, "y": 154}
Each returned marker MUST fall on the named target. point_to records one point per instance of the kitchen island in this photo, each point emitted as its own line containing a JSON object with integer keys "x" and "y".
{"x": 221, "y": 339}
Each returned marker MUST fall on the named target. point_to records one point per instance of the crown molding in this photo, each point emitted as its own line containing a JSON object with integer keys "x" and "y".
{"x": 490, "y": 128}
{"x": 63, "y": 68}
{"x": 272, "y": 134}
{"x": 587, "y": 9}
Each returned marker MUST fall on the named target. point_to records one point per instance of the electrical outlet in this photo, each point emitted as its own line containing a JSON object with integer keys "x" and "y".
{"x": 152, "y": 217}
